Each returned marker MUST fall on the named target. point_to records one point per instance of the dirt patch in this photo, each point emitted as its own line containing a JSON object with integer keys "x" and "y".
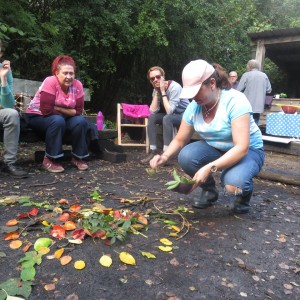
{"x": 222, "y": 256}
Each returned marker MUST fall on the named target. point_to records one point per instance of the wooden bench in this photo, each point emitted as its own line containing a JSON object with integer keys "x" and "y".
{"x": 24, "y": 91}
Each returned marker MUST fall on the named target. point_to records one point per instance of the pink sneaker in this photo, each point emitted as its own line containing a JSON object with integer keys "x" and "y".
{"x": 52, "y": 166}
{"x": 81, "y": 165}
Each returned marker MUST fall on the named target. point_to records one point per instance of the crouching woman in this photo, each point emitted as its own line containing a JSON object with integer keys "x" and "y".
{"x": 231, "y": 141}
{"x": 55, "y": 111}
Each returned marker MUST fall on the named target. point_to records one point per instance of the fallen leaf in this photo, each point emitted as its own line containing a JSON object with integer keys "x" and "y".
{"x": 79, "y": 264}
{"x": 75, "y": 208}
{"x": 49, "y": 287}
{"x": 65, "y": 259}
{"x": 58, "y": 253}
{"x": 148, "y": 254}
{"x": 12, "y": 222}
{"x": 288, "y": 286}
{"x": 243, "y": 294}
{"x": 63, "y": 201}
{"x": 105, "y": 261}
{"x": 165, "y": 248}
{"x": 11, "y": 236}
{"x": 166, "y": 242}
{"x": 58, "y": 232}
{"x": 76, "y": 241}
{"x": 174, "y": 262}
{"x": 42, "y": 243}
{"x": 44, "y": 250}
{"x": 64, "y": 217}
{"x": 69, "y": 225}
{"x": 16, "y": 244}
{"x": 127, "y": 258}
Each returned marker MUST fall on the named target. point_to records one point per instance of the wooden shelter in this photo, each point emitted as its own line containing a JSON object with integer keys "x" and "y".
{"x": 281, "y": 46}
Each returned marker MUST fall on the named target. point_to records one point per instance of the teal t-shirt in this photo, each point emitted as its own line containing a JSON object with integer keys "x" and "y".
{"x": 218, "y": 133}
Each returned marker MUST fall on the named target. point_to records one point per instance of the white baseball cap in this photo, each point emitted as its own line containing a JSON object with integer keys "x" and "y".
{"x": 193, "y": 75}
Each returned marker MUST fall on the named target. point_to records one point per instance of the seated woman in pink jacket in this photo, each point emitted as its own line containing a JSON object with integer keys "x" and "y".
{"x": 55, "y": 111}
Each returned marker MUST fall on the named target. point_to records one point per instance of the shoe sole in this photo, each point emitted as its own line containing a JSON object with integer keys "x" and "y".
{"x": 53, "y": 171}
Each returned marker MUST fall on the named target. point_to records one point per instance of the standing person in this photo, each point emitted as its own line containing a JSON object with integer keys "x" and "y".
{"x": 56, "y": 111}
{"x": 166, "y": 109}
{"x": 255, "y": 85}
{"x": 10, "y": 120}
{"x": 233, "y": 79}
{"x": 232, "y": 142}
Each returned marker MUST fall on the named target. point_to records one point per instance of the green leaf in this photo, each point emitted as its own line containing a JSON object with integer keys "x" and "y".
{"x": 2, "y": 254}
{"x": 28, "y": 274}
{"x": 176, "y": 176}
{"x": 170, "y": 222}
{"x": 171, "y": 187}
{"x": 7, "y": 229}
{"x": 171, "y": 182}
{"x": 14, "y": 286}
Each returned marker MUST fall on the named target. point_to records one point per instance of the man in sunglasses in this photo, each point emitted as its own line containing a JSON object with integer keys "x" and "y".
{"x": 166, "y": 109}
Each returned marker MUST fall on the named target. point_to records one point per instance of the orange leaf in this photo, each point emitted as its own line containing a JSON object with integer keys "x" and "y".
{"x": 25, "y": 249}
{"x": 12, "y": 222}
{"x": 65, "y": 259}
{"x": 58, "y": 253}
{"x": 49, "y": 287}
{"x": 64, "y": 217}
{"x": 142, "y": 219}
{"x": 63, "y": 201}
{"x": 75, "y": 207}
{"x": 70, "y": 225}
{"x": 15, "y": 244}
{"x": 11, "y": 236}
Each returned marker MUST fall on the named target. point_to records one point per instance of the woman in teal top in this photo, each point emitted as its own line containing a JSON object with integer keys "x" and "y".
{"x": 231, "y": 141}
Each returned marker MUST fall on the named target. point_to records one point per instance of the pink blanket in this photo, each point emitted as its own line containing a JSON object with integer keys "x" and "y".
{"x": 136, "y": 110}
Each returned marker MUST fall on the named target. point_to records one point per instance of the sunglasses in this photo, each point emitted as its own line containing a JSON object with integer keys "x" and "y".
{"x": 155, "y": 77}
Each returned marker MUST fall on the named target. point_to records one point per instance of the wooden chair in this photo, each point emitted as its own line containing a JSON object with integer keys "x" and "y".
{"x": 121, "y": 125}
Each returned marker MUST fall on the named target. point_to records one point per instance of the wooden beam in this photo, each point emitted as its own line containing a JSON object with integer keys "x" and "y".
{"x": 260, "y": 53}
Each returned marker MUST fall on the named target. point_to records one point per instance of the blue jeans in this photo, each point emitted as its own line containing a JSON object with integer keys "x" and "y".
{"x": 55, "y": 127}
{"x": 195, "y": 155}
{"x": 10, "y": 120}
{"x": 168, "y": 122}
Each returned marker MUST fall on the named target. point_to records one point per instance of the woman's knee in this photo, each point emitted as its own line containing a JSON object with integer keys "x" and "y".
{"x": 231, "y": 189}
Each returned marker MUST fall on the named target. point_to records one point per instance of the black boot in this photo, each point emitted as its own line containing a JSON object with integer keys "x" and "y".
{"x": 241, "y": 204}
{"x": 208, "y": 196}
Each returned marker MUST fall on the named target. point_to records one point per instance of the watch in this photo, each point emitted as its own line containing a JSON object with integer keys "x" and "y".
{"x": 213, "y": 169}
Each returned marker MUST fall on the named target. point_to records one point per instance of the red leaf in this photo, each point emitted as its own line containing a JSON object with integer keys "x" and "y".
{"x": 99, "y": 234}
{"x": 78, "y": 234}
{"x": 24, "y": 215}
{"x": 33, "y": 212}
{"x": 64, "y": 217}
{"x": 58, "y": 232}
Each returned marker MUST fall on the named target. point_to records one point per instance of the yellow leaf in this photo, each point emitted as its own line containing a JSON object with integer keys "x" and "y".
{"x": 105, "y": 261}
{"x": 127, "y": 258}
{"x": 148, "y": 254}
{"x": 166, "y": 242}
{"x": 79, "y": 264}
{"x": 65, "y": 259}
{"x": 44, "y": 250}
{"x": 57, "y": 210}
{"x": 15, "y": 244}
{"x": 176, "y": 228}
{"x": 173, "y": 234}
{"x": 165, "y": 248}
{"x": 58, "y": 253}
{"x": 45, "y": 223}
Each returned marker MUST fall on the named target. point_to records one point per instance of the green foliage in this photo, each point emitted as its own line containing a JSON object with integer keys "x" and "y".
{"x": 115, "y": 42}
{"x": 15, "y": 287}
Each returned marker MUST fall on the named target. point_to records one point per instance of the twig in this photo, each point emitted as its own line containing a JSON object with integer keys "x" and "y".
{"x": 43, "y": 184}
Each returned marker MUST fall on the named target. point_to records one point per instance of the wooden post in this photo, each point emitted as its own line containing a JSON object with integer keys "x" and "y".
{"x": 260, "y": 53}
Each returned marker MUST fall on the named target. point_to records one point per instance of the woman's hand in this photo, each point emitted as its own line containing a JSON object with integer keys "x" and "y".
{"x": 202, "y": 174}
{"x": 158, "y": 160}
{"x": 5, "y": 68}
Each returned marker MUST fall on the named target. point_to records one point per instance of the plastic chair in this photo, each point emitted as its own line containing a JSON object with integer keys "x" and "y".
{"x": 135, "y": 112}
